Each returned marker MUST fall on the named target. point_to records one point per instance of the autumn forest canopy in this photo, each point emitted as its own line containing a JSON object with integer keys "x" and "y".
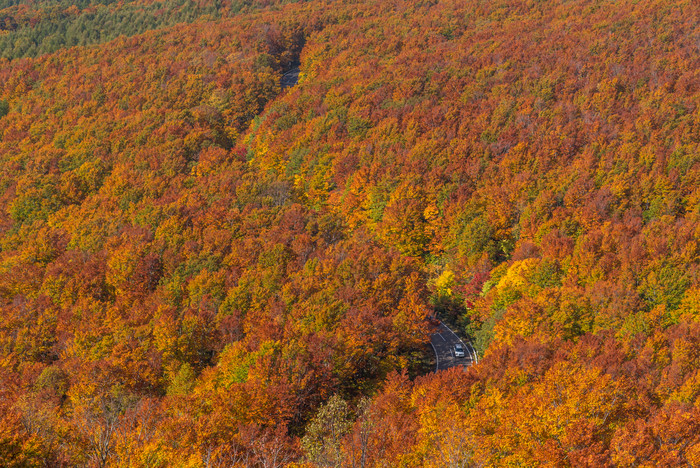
{"x": 201, "y": 268}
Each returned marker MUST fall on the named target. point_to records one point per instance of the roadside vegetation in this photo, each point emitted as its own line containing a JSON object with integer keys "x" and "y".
{"x": 199, "y": 268}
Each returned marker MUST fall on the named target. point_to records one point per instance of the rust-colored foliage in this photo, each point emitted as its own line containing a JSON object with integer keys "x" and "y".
{"x": 200, "y": 268}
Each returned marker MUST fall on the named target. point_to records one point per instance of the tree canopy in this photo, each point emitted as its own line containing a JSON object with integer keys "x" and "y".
{"x": 199, "y": 268}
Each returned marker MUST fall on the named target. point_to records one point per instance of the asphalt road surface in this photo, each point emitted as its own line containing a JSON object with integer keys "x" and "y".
{"x": 290, "y": 78}
{"x": 444, "y": 341}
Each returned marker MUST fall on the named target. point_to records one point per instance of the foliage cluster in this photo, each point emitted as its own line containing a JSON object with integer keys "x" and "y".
{"x": 37, "y": 28}
{"x": 199, "y": 268}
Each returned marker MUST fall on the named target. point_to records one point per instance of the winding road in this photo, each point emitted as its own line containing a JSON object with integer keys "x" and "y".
{"x": 443, "y": 342}
{"x": 290, "y": 78}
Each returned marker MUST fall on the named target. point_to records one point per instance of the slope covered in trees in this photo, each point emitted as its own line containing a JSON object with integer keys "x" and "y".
{"x": 199, "y": 268}
{"x": 36, "y": 28}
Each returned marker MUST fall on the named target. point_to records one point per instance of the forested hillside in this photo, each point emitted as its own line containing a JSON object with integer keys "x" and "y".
{"x": 39, "y": 27}
{"x": 199, "y": 268}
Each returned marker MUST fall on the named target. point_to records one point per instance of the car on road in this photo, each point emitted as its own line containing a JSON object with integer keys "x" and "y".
{"x": 459, "y": 350}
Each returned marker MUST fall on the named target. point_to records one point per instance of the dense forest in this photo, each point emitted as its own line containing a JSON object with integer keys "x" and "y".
{"x": 199, "y": 268}
{"x": 36, "y": 28}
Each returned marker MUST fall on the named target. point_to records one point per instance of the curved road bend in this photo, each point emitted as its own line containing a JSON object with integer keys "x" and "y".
{"x": 443, "y": 342}
{"x": 290, "y": 78}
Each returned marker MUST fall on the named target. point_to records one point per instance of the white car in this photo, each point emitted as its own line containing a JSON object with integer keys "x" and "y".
{"x": 459, "y": 350}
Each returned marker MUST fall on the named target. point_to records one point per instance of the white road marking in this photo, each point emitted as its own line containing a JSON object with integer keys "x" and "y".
{"x": 449, "y": 354}
{"x": 437, "y": 358}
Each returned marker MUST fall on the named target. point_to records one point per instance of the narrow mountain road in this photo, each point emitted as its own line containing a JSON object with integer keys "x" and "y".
{"x": 443, "y": 342}
{"x": 290, "y": 78}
